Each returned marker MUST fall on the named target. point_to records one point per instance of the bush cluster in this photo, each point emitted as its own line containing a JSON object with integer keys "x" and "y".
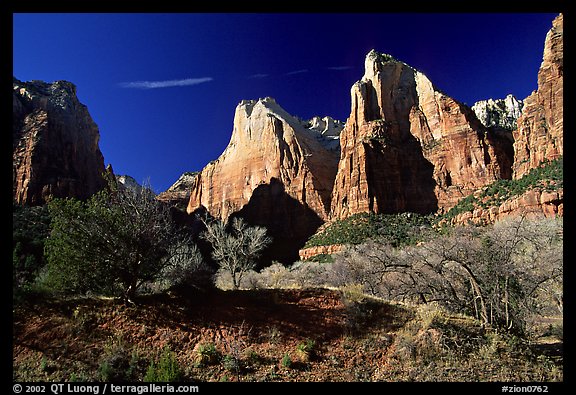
{"x": 166, "y": 369}
{"x": 30, "y": 228}
{"x": 398, "y": 229}
{"x": 502, "y": 274}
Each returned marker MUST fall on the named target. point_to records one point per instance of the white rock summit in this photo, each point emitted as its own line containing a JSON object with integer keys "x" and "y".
{"x": 501, "y": 113}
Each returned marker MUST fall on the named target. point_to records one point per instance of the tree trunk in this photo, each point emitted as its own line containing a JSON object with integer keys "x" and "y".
{"x": 130, "y": 292}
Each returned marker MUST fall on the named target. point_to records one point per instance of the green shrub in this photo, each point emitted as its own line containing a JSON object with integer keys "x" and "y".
{"x": 166, "y": 370}
{"x": 252, "y": 356}
{"x": 207, "y": 354}
{"x": 115, "y": 361}
{"x": 30, "y": 228}
{"x": 322, "y": 258}
{"x": 306, "y": 350}
{"x": 231, "y": 363}
{"x": 113, "y": 243}
{"x": 286, "y": 361}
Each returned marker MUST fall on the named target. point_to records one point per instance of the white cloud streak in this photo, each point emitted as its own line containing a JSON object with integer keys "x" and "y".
{"x": 339, "y": 68}
{"x": 259, "y": 75}
{"x": 297, "y": 72}
{"x": 164, "y": 84}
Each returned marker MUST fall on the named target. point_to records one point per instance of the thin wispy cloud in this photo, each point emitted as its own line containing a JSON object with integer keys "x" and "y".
{"x": 259, "y": 75}
{"x": 339, "y": 68}
{"x": 164, "y": 84}
{"x": 297, "y": 72}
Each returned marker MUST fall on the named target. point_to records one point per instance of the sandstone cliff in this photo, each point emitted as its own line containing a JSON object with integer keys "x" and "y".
{"x": 277, "y": 171}
{"x": 408, "y": 147}
{"x": 539, "y": 135}
{"x": 54, "y": 142}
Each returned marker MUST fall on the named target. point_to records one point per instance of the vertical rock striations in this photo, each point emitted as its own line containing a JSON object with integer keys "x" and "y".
{"x": 539, "y": 135}
{"x": 408, "y": 147}
{"x": 54, "y": 143}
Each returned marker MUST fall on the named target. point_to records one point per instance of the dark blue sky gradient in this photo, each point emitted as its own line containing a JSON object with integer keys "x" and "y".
{"x": 307, "y": 62}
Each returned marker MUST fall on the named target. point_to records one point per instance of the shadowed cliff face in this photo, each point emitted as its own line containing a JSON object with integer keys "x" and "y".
{"x": 289, "y": 222}
{"x": 398, "y": 182}
{"x": 55, "y": 144}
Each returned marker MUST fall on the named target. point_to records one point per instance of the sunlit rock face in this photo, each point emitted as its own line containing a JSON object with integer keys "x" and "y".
{"x": 178, "y": 194}
{"x": 277, "y": 171}
{"x": 54, "y": 142}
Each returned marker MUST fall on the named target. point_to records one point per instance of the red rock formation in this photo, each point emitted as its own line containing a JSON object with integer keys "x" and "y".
{"x": 267, "y": 143}
{"x": 539, "y": 135}
{"x": 274, "y": 172}
{"x": 408, "y": 147}
{"x": 55, "y": 144}
{"x": 307, "y": 253}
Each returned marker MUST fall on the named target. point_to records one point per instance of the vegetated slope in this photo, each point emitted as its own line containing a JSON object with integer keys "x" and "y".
{"x": 264, "y": 335}
{"x": 538, "y": 193}
{"x": 398, "y": 229}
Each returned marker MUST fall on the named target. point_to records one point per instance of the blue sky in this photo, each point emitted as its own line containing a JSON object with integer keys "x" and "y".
{"x": 162, "y": 88}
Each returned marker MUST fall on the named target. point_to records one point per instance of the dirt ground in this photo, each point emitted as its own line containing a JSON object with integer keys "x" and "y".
{"x": 263, "y": 335}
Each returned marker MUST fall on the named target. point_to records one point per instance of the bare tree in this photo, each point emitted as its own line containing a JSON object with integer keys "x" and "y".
{"x": 500, "y": 274}
{"x": 236, "y": 248}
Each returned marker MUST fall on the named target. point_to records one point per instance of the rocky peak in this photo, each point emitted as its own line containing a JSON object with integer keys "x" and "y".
{"x": 326, "y": 126}
{"x": 55, "y": 144}
{"x": 374, "y": 63}
{"x": 408, "y": 147}
{"x": 274, "y": 172}
{"x": 326, "y": 130}
{"x": 500, "y": 113}
{"x": 56, "y": 96}
{"x": 183, "y": 182}
{"x": 129, "y": 182}
{"x": 272, "y": 144}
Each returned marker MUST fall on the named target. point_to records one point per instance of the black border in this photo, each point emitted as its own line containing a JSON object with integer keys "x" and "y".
{"x": 8, "y": 7}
